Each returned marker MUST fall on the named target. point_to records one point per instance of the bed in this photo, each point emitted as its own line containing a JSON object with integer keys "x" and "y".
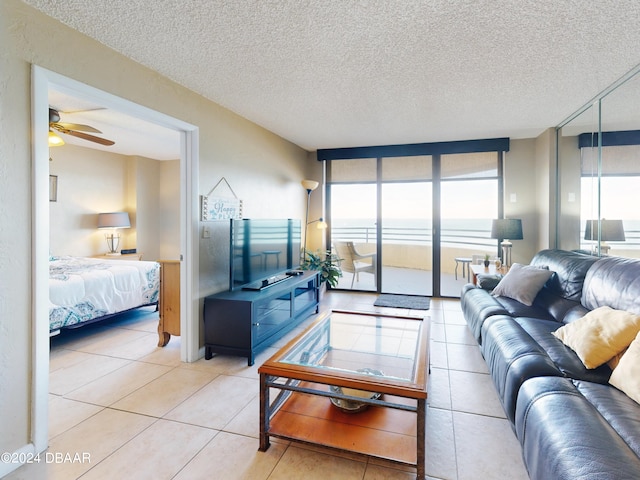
{"x": 84, "y": 290}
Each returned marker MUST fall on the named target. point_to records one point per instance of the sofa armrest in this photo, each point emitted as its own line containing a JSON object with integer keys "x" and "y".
{"x": 564, "y": 437}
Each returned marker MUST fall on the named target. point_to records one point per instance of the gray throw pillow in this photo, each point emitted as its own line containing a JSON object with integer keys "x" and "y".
{"x": 522, "y": 283}
{"x": 488, "y": 282}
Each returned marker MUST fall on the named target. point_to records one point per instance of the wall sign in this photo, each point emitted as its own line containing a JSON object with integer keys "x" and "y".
{"x": 217, "y": 207}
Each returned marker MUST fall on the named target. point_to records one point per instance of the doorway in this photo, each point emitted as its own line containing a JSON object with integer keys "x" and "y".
{"x": 42, "y": 81}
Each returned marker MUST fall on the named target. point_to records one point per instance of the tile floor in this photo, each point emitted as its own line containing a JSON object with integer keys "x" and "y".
{"x": 137, "y": 412}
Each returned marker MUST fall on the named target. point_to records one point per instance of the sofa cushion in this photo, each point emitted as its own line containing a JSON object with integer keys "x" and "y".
{"x": 517, "y": 309}
{"x": 571, "y": 269}
{"x": 512, "y": 357}
{"x": 571, "y": 429}
{"x": 478, "y": 305}
{"x": 562, "y": 356}
{"x": 614, "y": 282}
{"x": 522, "y": 283}
{"x": 600, "y": 334}
{"x": 626, "y": 375}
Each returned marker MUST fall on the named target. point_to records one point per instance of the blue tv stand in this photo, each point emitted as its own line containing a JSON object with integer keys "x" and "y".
{"x": 243, "y": 322}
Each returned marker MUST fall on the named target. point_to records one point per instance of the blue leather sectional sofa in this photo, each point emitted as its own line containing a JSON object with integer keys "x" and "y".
{"x": 571, "y": 423}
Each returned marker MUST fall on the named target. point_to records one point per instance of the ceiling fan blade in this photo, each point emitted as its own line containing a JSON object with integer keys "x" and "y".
{"x": 86, "y": 136}
{"x": 78, "y": 126}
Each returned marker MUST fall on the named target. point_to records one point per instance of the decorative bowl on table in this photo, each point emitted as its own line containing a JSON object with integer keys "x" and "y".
{"x": 354, "y": 406}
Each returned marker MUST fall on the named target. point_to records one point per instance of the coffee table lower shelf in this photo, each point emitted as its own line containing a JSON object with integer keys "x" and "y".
{"x": 381, "y": 432}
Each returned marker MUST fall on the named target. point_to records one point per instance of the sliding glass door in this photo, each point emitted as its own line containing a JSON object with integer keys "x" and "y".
{"x": 406, "y": 225}
{"x": 413, "y": 225}
{"x": 406, "y": 238}
{"x": 469, "y": 195}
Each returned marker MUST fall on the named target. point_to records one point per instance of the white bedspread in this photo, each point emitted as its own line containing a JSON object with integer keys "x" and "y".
{"x": 82, "y": 289}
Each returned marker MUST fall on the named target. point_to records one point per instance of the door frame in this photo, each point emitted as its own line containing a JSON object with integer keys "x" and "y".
{"x": 41, "y": 80}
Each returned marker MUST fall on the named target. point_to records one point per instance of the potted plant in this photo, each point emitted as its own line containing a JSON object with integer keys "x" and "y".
{"x": 328, "y": 264}
{"x": 486, "y": 260}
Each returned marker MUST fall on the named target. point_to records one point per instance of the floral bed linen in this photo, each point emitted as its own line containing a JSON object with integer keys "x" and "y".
{"x": 82, "y": 289}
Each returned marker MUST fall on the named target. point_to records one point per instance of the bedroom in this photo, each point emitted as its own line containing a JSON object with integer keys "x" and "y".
{"x": 89, "y": 179}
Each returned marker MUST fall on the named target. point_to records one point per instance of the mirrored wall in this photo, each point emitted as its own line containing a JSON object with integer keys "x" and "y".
{"x": 599, "y": 173}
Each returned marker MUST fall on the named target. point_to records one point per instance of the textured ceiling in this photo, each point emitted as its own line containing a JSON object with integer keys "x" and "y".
{"x": 340, "y": 73}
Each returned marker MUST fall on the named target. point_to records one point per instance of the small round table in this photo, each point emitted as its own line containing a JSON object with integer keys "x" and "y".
{"x": 465, "y": 266}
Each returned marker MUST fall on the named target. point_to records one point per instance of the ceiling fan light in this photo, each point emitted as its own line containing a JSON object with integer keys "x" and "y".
{"x": 55, "y": 140}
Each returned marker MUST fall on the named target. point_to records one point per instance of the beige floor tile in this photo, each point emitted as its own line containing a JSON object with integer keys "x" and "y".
{"x": 64, "y": 414}
{"x": 65, "y": 358}
{"x": 159, "y": 452}
{"x": 474, "y": 393}
{"x": 454, "y": 317}
{"x": 466, "y": 358}
{"x": 487, "y": 448}
{"x": 217, "y": 403}
{"x": 438, "y": 354}
{"x": 149, "y": 325}
{"x": 92, "y": 440}
{"x": 437, "y": 316}
{"x": 106, "y": 341}
{"x": 232, "y": 457}
{"x": 310, "y": 465}
{"x": 118, "y": 384}
{"x": 219, "y": 364}
{"x": 92, "y": 367}
{"x": 460, "y": 334}
{"x": 440, "y": 445}
{"x": 439, "y": 390}
{"x": 379, "y": 472}
{"x": 143, "y": 344}
{"x": 247, "y": 421}
{"x": 165, "y": 393}
{"x": 168, "y": 355}
{"x": 438, "y": 332}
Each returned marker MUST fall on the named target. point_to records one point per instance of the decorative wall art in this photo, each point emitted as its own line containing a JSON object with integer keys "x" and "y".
{"x": 219, "y": 207}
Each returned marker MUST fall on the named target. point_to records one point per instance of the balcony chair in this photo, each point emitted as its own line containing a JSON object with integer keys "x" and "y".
{"x": 353, "y": 262}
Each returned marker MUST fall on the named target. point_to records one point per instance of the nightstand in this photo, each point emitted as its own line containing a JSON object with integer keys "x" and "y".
{"x": 169, "y": 306}
{"x": 126, "y": 256}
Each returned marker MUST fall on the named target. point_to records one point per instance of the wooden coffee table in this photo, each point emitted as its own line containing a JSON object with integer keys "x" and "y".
{"x": 351, "y": 381}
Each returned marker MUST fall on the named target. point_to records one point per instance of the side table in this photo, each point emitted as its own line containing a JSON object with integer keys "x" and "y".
{"x": 466, "y": 262}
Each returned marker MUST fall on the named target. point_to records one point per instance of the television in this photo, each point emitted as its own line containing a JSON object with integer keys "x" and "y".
{"x": 262, "y": 248}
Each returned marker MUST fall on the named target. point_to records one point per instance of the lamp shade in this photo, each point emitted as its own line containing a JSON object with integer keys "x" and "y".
{"x": 507, "y": 228}
{"x": 610, "y": 230}
{"x": 55, "y": 140}
{"x": 114, "y": 220}
{"x": 309, "y": 185}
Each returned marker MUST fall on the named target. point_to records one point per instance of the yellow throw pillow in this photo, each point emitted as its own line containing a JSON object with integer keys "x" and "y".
{"x": 626, "y": 376}
{"x": 600, "y": 335}
{"x": 615, "y": 360}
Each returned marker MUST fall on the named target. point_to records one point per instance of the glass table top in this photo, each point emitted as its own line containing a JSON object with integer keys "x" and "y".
{"x": 379, "y": 345}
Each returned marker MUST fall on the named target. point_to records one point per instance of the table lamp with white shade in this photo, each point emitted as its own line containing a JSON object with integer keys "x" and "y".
{"x": 113, "y": 221}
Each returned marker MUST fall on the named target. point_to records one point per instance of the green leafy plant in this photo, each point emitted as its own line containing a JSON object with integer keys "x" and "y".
{"x": 328, "y": 264}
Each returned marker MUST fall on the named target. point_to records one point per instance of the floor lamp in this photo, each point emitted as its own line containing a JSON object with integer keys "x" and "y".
{"x": 506, "y": 229}
{"x": 309, "y": 186}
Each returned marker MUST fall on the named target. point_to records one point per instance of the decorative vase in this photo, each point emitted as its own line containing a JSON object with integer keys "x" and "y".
{"x": 486, "y": 264}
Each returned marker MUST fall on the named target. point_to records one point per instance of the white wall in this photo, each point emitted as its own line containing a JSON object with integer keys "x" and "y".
{"x": 92, "y": 181}
{"x": 264, "y": 170}
{"x": 168, "y": 211}
{"x": 519, "y": 168}
{"x": 89, "y": 182}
